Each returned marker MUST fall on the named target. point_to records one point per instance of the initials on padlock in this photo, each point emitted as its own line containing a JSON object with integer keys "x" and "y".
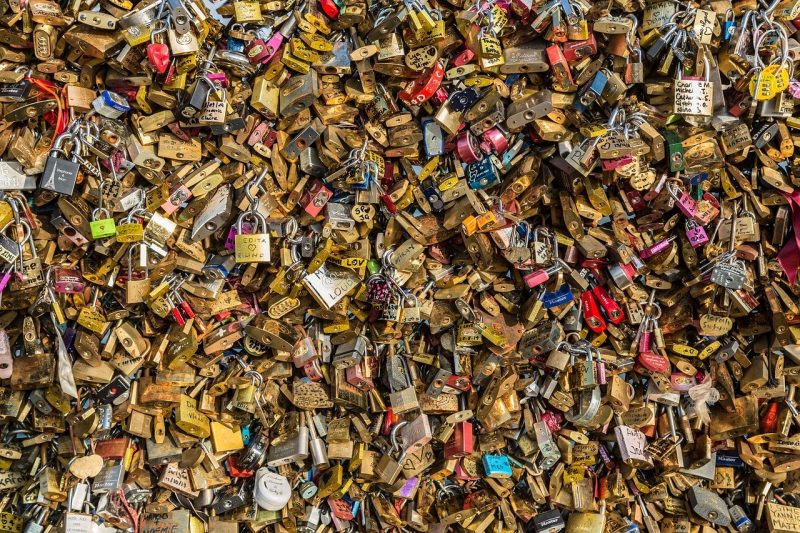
{"x": 694, "y": 97}
{"x": 252, "y": 248}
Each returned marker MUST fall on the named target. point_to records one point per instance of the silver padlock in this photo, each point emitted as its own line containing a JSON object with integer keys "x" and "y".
{"x": 694, "y": 97}
{"x": 709, "y": 506}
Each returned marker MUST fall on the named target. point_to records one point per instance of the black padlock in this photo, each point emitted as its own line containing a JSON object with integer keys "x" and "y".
{"x": 59, "y": 174}
{"x": 547, "y": 522}
{"x": 198, "y": 96}
{"x": 231, "y": 498}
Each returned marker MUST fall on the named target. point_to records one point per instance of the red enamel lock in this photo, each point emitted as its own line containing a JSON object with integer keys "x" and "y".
{"x": 577, "y": 50}
{"x": 591, "y": 313}
{"x": 158, "y": 55}
{"x": 172, "y": 70}
{"x": 653, "y": 362}
{"x": 419, "y": 91}
{"x": 315, "y": 197}
{"x": 769, "y": 422}
{"x": 558, "y": 62}
{"x": 613, "y": 311}
{"x": 235, "y": 471}
{"x": 341, "y": 508}
{"x": 461, "y": 442}
{"x": 464, "y": 57}
{"x": 467, "y": 147}
{"x": 330, "y": 9}
{"x": 256, "y": 51}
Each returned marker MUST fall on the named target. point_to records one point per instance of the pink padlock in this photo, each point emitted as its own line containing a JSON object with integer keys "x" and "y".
{"x": 696, "y": 234}
{"x": 653, "y": 362}
{"x": 496, "y": 140}
{"x": 682, "y": 382}
{"x": 660, "y": 246}
{"x": 67, "y": 280}
{"x": 5, "y": 279}
{"x": 219, "y": 79}
{"x": 686, "y": 204}
{"x": 467, "y": 147}
{"x": 611, "y": 164}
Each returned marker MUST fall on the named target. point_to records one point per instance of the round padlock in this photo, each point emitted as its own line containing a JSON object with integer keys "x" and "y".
{"x": 272, "y": 491}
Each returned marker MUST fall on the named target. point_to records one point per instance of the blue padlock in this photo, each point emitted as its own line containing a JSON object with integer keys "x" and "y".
{"x": 463, "y": 100}
{"x": 729, "y": 26}
{"x": 433, "y": 195}
{"x": 481, "y": 174}
{"x": 496, "y": 466}
{"x": 235, "y": 45}
{"x": 558, "y": 297}
{"x": 591, "y": 92}
{"x": 433, "y": 138}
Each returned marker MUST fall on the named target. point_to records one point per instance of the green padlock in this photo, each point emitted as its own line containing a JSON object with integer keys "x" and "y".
{"x": 102, "y": 227}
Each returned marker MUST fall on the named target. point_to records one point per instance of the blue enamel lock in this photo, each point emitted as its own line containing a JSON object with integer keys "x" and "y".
{"x": 729, "y": 26}
{"x": 463, "y": 100}
{"x": 235, "y": 45}
{"x": 496, "y": 466}
{"x": 558, "y": 297}
{"x": 359, "y": 181}
{"x": 481, "y": 174}
{"x": 729, "y": 460}
{"x": 432, "y": 194}
{"x": 433, "y": 138}
{"x": 110, "y": 105}
{"x": 591, "y": 92}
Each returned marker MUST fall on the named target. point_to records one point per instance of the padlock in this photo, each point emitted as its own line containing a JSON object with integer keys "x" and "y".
{"x": 59, "y": 174}
{"x": 102, "y": 227}
{"x": 692, "y": 97}
{"x": 158, "y": 53}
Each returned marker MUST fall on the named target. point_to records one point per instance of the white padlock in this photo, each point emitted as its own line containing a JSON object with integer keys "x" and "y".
{"x": 272, "y": 491}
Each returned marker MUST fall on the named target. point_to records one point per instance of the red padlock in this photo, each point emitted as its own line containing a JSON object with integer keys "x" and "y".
{"x": 591, "y": 312}
{"x": 419, "y": 91}
{"x": 330, "y": 8}
{"x": 158, "y": 53}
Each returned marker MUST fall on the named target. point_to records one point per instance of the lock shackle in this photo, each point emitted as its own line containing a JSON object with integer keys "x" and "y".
{"x": 58, "y": 145}
{"x": 767, "y": 13}
{"x": 674, "y": 186}
{"x": 29, "y": 239}
{"x": 393, "y": 435}
{"x": 257, "y": 182}
{"x": 382, "y": 15}
{"x": 254, "y": 216}
{"x": 162, "y": 27}
{"x": 130, "y": 261}
{"x": 617, "y": 115}
{"x": 100, "y": 211}
{"x": 26, "y": 233}
{"x": 255, "y": 378}
{"x": 140, "y": 212}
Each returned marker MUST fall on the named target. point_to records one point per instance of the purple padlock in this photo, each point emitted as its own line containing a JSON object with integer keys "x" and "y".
{"x": 230, "y": 242}
{"x": 696, "y": 234}
{"x": 377, "y": 290}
